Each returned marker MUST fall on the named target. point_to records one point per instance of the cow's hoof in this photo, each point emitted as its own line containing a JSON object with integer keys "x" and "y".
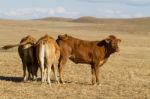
{"x": 24, "y": 80}
{"x": 49, "y": 84}
{"x": 42, "y": 83}
{"x": 96, "y": 84}
{"x": 62, "y": 82}
{"x": 34, "y": 78}
{"x": 57, "y": 82}
{"x": 93, "y": 83}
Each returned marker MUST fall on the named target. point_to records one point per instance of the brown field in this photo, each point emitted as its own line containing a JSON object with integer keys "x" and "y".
{"x": 126, "y": 75}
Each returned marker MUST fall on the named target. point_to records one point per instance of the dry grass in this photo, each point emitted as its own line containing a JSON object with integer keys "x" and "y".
{"x": 126, "y": 75}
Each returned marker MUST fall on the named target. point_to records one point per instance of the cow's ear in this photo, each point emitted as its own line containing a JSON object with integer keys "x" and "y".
{"x": 63, "y": 37}
{"x": 107, "y": 40}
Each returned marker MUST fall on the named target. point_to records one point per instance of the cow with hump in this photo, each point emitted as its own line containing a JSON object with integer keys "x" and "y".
{"x": 26, "y": 50}
{"x": 95, "y": 53}
{"x": 48, "y": 53}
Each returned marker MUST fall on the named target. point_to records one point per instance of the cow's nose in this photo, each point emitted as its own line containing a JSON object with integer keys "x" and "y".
{"x": 118, "y": 49}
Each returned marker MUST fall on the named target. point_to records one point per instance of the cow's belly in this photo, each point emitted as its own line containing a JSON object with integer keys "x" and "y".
{"x": 80, "y": 59}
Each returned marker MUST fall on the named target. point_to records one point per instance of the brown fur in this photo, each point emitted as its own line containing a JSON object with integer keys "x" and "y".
{"x": 27, "y": 54}
{"x": 94, "y": 53}
{"x": 48, "y": 54}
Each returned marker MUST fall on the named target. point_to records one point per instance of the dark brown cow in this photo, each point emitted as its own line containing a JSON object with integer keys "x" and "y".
{"x": 26, "y": 50}
{"x": 94, "y": 53}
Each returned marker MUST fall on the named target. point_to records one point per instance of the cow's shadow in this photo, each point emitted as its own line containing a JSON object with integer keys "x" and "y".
{"x": 20, "y": 79}
{"x": 11, "y": 79}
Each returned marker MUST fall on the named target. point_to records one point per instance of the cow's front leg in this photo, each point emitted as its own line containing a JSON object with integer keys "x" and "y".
{"x": 96, "y": 70}
{"x": 97, "y": 74}
{"x": 93, "y": 74}
{"x": 55, "y": 69}
{"x": 62, "y": 62}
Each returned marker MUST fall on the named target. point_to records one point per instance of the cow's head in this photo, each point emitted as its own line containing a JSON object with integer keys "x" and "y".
{"x": 113, "y": 43}
{"x": 63, "y": 37}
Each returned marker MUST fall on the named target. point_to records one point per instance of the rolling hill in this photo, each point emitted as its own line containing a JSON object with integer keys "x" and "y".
{"x": 90, "y": 19}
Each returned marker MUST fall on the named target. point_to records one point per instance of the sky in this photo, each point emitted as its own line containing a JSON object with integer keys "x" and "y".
{"x": 33, "y": 9}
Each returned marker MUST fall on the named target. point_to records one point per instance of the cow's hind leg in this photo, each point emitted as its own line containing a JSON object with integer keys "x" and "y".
{"x": 42, "y": 71}
{"x": 40, "y": 53}
{"x": 42, "y": 68}
{"x": 48, "y": 66}
{"x": 24, "y": 72}
{"x": 48, "y": 75}
{"x": 24, "y": 66}
{"x": 29, "y": 71}
{"x": 34, "y": 72}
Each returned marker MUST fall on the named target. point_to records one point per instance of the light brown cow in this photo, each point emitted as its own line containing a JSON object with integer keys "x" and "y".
{"x": 94, "y": 53}
{"x": 27, "y": 54}
{"x": 48, "y": 53}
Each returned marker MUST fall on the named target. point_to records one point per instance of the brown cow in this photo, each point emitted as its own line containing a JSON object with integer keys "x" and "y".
{"x": 94, "y": 53}
{"x": 48, "y": 53}
{"x": 27, "y": 54}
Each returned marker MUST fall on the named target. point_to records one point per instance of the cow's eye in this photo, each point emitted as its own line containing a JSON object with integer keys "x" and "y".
{"x": 114, "y": 44}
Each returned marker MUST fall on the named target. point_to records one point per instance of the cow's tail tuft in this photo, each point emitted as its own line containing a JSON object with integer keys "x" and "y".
{"x": 6, "y": 47}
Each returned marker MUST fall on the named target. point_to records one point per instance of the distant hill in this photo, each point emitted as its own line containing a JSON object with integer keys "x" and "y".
{"x": 55, "y": 19}
{"x": 107, "y": 20}
{"x": 87, "y": 19}
{"x": 90, "y": 19}
{"x": 128, "y": 25}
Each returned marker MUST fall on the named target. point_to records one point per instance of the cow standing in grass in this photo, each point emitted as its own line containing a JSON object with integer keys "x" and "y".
{"x": 26, "y": 50}
{"x": 95, "y": 53}
{"x": 48, "y": 53}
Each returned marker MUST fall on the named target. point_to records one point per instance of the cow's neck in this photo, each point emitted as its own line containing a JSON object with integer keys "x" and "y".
{"x": 108, "y": 51}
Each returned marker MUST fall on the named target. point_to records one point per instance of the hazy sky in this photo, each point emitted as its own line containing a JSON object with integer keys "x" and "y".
{"x": 29, "y": 9}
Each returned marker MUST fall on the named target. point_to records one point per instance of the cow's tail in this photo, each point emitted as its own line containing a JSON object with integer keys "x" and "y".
{"x": 6, "y": 47}
{"x": 40, "y": 52}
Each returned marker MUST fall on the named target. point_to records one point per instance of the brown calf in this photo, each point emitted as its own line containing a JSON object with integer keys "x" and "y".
{"x": 48, "y": 53}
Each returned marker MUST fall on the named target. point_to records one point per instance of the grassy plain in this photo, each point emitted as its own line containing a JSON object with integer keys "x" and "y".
{"x": 126, "y": 75}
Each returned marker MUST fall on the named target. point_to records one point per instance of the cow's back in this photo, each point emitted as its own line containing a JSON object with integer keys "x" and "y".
{"x": 50, "y": 46}
{"x": 80, "y": 51}
{"x": 27, "y": 51}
